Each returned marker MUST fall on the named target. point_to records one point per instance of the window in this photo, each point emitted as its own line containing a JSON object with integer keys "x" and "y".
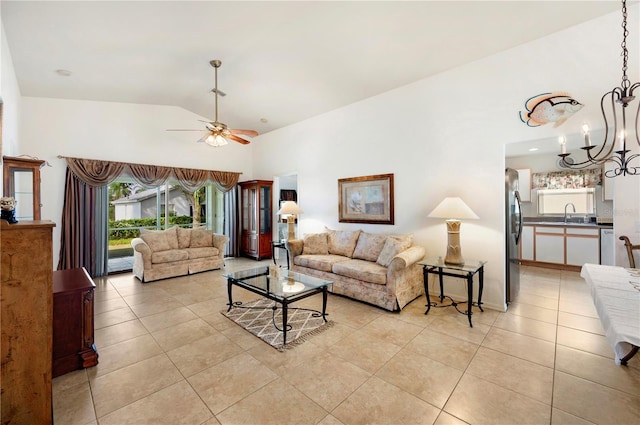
{"x": 553, "y": 201}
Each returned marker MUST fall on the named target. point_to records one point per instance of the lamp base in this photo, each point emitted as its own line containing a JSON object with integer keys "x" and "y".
{"x": 454, "y": 251}
{"x": 292, "y": 231}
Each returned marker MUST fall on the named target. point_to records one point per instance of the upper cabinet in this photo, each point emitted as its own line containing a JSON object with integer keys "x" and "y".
{"x": 22, "y": 182}
{"x": 524, "y": 181}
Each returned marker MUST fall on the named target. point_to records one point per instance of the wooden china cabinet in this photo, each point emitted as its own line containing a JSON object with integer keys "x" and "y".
{"x": 255, "y": 219}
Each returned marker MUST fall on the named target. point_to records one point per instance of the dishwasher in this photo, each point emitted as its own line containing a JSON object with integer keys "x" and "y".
{"x": 607, "y": 247}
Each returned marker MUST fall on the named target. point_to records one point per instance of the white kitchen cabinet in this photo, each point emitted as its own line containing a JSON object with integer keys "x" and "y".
{"x": 526, "y": 243}
{"x": 550, "y": 244}
{"x": 524, "y": 183}
{"x": 583, "y": 246}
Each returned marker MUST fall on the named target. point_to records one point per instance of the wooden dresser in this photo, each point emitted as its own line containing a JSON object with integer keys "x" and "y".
{"x": 73, "y": 345}
{"x": 26, "y": 310}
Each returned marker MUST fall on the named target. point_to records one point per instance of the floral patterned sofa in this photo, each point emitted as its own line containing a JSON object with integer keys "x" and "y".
{"x": 176, "y": 252}
{"x": 375, "y": 268}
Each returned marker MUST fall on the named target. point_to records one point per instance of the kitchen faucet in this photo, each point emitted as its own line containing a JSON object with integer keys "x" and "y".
{"x": 565, "y": 210}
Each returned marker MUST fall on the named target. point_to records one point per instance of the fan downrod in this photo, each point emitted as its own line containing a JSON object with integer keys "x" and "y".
{"x": 215, "y": 63}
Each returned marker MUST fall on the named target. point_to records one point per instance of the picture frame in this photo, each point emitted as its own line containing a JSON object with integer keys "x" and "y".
{"x": 366, "y": 199}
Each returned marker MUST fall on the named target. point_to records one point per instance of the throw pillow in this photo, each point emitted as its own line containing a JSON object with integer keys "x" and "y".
{"x": 201, "y": 238}
{"x": 170, "y": 234}
{"x": 369, "y": 246}
{"x": 157, "y": 241}
{"x": 342, "y": 242}
{"x": 184, "y": 237}
{"x": 392, "y": 247}
{"x": 315, "y": 244}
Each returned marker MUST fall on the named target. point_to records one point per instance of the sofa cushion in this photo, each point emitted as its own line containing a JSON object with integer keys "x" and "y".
{"x": 315, "y": 244}
{"x": 184, "y": 237}
{"x": 369, "y": 246}
{"x": 202, "y": 252}
{"x": 168, "y": 256}
{"x": 319, "y": 262}
{"x": 157, "y": 241}
{"x": 169, "y": 237}
{"x": 362, "y": 270}
{"x": 392, "y": 247}
{"x": 201, "y": 238}
{"x": 342, "y": 242}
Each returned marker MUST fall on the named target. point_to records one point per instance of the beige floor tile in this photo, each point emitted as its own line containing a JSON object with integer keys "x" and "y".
{"x": 102, "y": 306}
{"x": 364, "y": 352}
{"x": 125, "y": 353}
{"x": 279, "y": 361}
{"x": 129, "y": 384}
{"x": 182, "y": 334}
{"x": 512, "y": 373}
{"x": 594, "y": 402}
{"x": 353, "y": 314}
{"x": 73, "y": 405}
{"x": 203, "y": 353}
{"x": 521, "y": 346}
{"x": 151, "y": 308}
{"x": 541, "y": 289}
{"x": 458, "y": 326}
{"x": 391, "y": 330}
{"x": 585, "y": 341}
{"x": 534, "y": 312}
{"x": 330, "y": 420}
{"x": 443, "y": 348}
{"x": 601, "y": 370}
{"x": 229, "y": 382}
{"x": 208, "y": 307}
{"x": 242, "y": 337}
{"x": 114, "y": 334}
{"x": 583, "y": 323}
{"x": 584, "y": 308}
{"x": 332, "y": 335}
{"x": 267, "y": 404}
{"x": 165, "y": 319}
{"x": 176, "y": 404}
{"x": 537, "y": 300}
{"x": 113, "y": 317}
{"x": 427, "y": 379}
{"x": 153, "y": 295}
{"x": 446, "y": 419}
{"x": 69, "y": 380}
{"x": 526, "y": 326}
{"x": 377, "y": 402}
{"x": 478, "y": 401}
{"x": 328, "y": 380}
{"x": 558, "y": 417}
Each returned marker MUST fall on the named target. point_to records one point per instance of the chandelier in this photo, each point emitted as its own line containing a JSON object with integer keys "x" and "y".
{"x": 613, "y": 105}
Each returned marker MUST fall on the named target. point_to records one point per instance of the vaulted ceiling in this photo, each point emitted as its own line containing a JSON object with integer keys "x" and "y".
{"x": 282, "y": 62}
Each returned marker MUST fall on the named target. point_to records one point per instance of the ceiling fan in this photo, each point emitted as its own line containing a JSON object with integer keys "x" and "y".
{"x": 217, "y": 132}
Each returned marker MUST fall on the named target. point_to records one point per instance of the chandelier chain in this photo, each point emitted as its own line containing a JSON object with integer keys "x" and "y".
{"x": 625, "y": 52}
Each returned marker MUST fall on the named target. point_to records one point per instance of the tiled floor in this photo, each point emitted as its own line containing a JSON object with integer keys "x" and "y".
{"x": 167, "y": 356}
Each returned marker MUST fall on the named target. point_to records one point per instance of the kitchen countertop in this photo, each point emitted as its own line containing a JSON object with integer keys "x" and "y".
{"x": 537, "y": 222}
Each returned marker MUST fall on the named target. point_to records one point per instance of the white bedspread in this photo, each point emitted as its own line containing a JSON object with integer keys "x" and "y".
{"x": 616, "y": 295}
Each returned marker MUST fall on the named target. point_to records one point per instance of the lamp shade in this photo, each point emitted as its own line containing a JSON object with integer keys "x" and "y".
{"x": 453, "y": 208}
{"x": 290, "y": 207}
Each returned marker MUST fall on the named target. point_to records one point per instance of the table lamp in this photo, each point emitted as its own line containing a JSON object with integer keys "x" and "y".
{"x": 291, "y": 210}
{"x": 453, "y": 209}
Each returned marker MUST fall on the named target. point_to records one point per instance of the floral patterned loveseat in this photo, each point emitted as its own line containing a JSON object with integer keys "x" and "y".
{"x": 375, "y": 268}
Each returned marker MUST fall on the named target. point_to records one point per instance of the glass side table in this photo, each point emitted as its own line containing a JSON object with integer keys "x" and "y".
{"x": 437, "y": 266}
{"x": 281, "y": 245}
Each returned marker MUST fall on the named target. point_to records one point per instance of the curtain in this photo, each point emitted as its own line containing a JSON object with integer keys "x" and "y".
{"x": 575, "y": 179}
{"x": 101, "y": 229}
{"x": 190, "y": 179}
{"x": 77, "y": 240}
{"x": 95, "y": 172}
{"x": 149, "y": 175}
{"x": 224, "y": 180}
{"x": 231, "y": 223}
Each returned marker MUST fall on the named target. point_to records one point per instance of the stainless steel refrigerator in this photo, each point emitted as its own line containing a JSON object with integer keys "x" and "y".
{"x": 513, "y": 231}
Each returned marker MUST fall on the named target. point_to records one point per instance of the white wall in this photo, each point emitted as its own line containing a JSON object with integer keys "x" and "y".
{"x": 11, "y": 99}
{"x": 445, "y": 136}
{"x": 117, "y": 132}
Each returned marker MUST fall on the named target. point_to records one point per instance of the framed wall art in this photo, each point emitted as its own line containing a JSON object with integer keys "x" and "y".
{"x": 367, "y": 199}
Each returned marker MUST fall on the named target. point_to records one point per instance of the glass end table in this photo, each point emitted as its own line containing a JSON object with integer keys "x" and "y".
{"x": 437, "y": 266}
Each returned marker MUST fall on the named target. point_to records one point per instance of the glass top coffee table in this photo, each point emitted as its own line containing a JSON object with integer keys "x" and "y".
{"x": 288, "y": 287}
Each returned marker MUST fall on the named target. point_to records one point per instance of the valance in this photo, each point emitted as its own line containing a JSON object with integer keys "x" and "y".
{"x": 575, "y": 179}
{"x": 96, "y": 173}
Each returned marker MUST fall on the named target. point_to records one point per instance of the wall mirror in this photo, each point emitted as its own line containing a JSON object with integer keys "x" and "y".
{"x": 22, "y": 182}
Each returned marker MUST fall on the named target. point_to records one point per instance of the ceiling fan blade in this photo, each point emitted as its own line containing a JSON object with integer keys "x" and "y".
{"x": 183, "y": 130}
{"x": 238, "y": 139}
{"x": 250, "y": 133}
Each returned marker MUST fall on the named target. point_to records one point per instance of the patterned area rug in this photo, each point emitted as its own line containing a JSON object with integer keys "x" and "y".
{"x": 258, "y": 318}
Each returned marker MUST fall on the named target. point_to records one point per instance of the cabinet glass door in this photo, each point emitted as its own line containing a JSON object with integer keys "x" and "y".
{"x": 265, "y": 209}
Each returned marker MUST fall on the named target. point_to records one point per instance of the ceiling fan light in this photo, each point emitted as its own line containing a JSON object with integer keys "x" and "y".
{"x": 215, "y": 140}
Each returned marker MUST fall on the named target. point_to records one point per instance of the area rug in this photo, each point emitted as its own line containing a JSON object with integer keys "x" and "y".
{"x": 257, "y": 317}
